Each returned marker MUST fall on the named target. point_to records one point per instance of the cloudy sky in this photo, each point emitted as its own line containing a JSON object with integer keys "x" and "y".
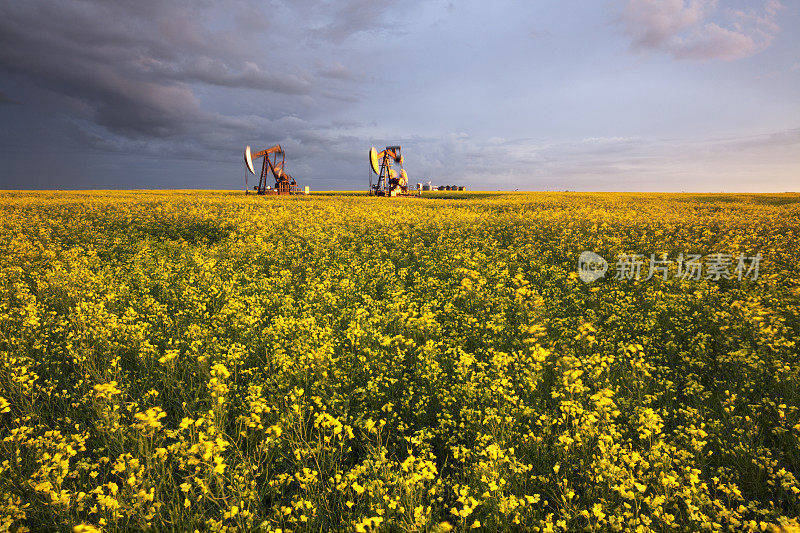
{"x": 637, "y": 95}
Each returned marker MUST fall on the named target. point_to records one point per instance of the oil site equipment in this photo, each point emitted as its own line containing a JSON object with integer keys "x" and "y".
{"x": 274, "y": 159}
{"x": 390, "y": 182}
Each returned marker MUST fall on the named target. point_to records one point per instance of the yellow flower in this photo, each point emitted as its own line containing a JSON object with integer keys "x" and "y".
{"x": 44, "y": 486}
{"x": 86, "y": 528}
{"x": 597, "y": 510}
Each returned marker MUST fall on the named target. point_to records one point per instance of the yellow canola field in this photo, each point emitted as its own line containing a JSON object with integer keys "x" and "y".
{"x": 180, "y": 361}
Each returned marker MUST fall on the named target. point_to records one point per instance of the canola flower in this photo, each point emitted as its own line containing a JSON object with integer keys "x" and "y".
{"x": 215, "y": 362}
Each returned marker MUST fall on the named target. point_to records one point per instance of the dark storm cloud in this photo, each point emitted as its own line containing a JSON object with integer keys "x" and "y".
{"x": 5, "y": 100}
{"x": 134, "y": 67}
{"x": 150, "y": 76}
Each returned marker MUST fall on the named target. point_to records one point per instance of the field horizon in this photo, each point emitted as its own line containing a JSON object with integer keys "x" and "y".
{"x": 365, "y": 192}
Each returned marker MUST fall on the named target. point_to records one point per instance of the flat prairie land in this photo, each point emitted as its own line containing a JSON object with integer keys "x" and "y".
{"x": 180, "y": 361}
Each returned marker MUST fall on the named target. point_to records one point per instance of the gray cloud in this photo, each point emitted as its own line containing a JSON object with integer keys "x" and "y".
{"x": 213, "y": 71}
{"x": 136, "y": 68}
{"x": 596, "y": 163}
{"x": 336, "y": 71}
{"x": 179, "y": 77}
{"x": 685, "y": 29}
{"x": 5, "y": 100}
{"x": 788, "y": 137}
{"x": 351, "y": 17}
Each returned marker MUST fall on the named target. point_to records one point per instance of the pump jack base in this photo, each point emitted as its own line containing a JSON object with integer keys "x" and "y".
{"x": 397, "y": 193}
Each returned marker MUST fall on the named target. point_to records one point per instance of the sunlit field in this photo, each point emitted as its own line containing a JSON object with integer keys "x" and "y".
{"x": 211, "y": 361}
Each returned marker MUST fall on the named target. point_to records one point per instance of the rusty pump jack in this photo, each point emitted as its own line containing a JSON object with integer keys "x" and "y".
{"x": 274, "y": 159}
{"x": 390, "y": 182}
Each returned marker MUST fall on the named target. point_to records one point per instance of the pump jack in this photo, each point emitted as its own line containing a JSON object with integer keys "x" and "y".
{"x": 390, "y": 182}
{"x": 274, "y": 159}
